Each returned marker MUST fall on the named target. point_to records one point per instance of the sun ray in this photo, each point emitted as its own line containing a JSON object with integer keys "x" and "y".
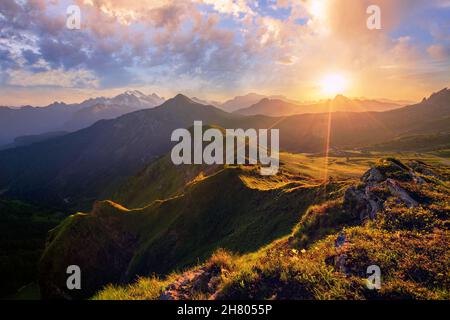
{"x": 327, "y": 143}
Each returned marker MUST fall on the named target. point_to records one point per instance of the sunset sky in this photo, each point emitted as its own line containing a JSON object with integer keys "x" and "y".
{"x": 214, "y": 49}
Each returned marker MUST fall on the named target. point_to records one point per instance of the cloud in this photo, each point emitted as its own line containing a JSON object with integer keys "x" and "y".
{"x": 335, "y": 38}
{"x": 233, "y": 7}
{"x": 439, "y": 52}
{"x": 223, "y": 44}
{"x": 55, "y": 78}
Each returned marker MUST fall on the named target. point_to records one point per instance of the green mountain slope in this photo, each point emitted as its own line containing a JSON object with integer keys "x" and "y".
{"x": 233, "y": 208}
{"x": 161, "y": 179}
{"x": 396, "y": 218}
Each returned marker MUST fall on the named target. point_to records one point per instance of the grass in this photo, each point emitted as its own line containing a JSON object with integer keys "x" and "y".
{"x": 149, "y": 288}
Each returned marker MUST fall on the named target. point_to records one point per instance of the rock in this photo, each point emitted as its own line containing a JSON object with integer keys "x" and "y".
{"x": 374, "y": 209}
{"x": 373, "y": 176}
{"x": 423, "y": 168}
{"x": 354, "y": 201}
{"x": 200, "y": 280}
{"x": 339, "y": 260}
{"x": 363, "y": 202}
{"x": 397, "y": 191}
{"x": 366, "y": 200}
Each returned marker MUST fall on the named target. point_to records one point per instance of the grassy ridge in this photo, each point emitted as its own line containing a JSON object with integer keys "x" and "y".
{"x": 224, "y": 209}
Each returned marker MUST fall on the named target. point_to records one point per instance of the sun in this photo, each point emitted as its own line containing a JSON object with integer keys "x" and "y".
{"x": 334, "y": 84}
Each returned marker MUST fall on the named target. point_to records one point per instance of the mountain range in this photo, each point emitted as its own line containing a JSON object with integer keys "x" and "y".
{"x": 245, "y": 101}
{"x": 30, "y": 124}
{"x": 278, "y": 107}
{"x": 75, "y": 169}
{"x": 61, "y": 117}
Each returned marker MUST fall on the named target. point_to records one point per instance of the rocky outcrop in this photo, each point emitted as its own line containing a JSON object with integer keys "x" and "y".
{"x": 367, "y": 199}
{"x": 377, "y": 185}
{"x": 397, "y": 191}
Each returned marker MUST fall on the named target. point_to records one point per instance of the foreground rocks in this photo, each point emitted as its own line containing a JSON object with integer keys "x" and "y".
{"x": 381, "y": 182}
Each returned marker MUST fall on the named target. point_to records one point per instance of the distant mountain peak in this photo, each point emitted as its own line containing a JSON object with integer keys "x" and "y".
{"x": 154, "y": 95}
{"x": 206, "y": 102}
{"x": 440, "y": 96}
{"x": 180, "y": 98}
{"x": 240, "y": 102}
{"x": 135, "y": 93}
{"x": 444, "y": 91}
{"x": 135, "y": 98}
{"x": 252, "y": 94}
